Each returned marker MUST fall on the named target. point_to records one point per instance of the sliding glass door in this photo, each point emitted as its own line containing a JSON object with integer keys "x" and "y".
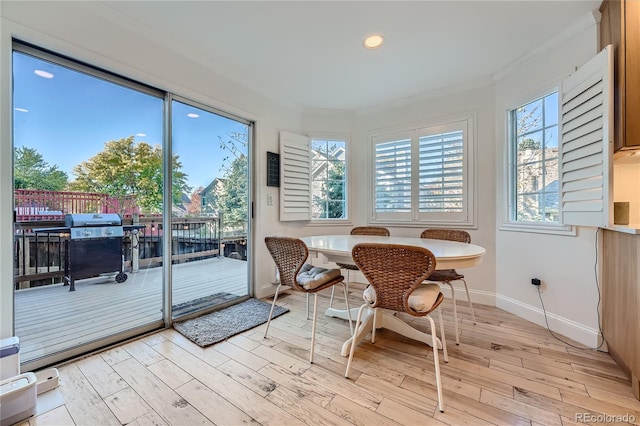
{"x": 120, "y": 226}
{"x": 86, "y": 145}
{"x": 210, "y": 214}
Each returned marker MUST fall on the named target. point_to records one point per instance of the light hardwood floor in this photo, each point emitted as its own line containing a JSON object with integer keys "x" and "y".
{"x": 506, "y": 371}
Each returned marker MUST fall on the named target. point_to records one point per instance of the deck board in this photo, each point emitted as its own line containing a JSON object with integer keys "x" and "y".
{"x": 51, "y": 318}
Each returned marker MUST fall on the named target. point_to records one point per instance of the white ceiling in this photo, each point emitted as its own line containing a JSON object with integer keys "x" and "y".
{"x": 310, "y": 53}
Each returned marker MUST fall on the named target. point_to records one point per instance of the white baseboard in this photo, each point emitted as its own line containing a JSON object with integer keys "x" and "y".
{"x": 564, "y": 327}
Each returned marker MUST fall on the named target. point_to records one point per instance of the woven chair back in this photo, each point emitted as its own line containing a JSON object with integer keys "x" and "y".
{"x": 289, "y": 254}
{"x": 370, "y": 230}
{"x": 394, "y": 271}
{"x": 447, "y": 234}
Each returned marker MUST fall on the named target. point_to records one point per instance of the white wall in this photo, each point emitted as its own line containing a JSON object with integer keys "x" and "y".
{"x": 73, "y": 29}
{"x": 566, "y": 264}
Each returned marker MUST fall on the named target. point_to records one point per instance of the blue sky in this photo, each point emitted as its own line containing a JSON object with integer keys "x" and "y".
{"x": 68, "y": 117}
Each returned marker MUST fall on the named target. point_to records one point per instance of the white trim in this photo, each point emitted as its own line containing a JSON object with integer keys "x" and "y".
{"x": 587, "y": 336}
{"x": 541, "y": 228}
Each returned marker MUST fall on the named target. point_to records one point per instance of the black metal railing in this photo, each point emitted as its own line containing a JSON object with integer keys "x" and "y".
{"x": 39, "y": 255}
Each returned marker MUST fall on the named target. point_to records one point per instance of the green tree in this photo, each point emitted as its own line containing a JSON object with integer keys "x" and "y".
{"x": 335, "y": 190}
{"x": 125, "y": 168}
{"x": 232, "y": 199}
{"x": 30, "y": 171}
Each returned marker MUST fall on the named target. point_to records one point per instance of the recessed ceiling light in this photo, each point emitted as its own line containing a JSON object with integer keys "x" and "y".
{"x": 21, "y": 109}
{"x": 192, "y": 115}
{"x": 373, "y": 41}
{"x": 43, "y": 74}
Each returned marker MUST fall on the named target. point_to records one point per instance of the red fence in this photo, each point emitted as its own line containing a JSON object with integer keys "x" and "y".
{"x": 52, "y": 205}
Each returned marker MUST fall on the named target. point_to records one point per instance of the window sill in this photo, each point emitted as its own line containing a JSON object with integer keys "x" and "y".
{"x": 329, "y": 222}
{"x": 539, "y": 228}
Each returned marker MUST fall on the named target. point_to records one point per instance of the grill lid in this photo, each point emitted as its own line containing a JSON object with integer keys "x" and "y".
{"x": 92, "y": 219}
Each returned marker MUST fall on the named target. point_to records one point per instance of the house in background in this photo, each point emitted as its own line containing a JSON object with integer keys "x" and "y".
{"x": 210, "y": 195}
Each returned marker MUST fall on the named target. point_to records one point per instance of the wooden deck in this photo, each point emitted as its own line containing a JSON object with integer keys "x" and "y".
{"x": 51, "y": 319}
{"x": 506, "y": 371}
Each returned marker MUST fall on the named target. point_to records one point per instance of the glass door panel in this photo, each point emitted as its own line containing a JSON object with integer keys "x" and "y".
{"x": 209, "y": 225}
{"x": 85, "y": 143}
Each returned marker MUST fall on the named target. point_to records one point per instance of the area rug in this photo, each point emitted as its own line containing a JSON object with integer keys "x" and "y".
{"x": 220, "y": 325}
{"x": 202, "y": 303}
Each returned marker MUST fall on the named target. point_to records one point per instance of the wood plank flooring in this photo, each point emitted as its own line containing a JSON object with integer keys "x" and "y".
{"x": 506, "y": 371}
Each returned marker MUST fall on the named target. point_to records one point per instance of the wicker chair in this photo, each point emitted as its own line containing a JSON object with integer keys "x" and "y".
{"x": 396, "y": 274}
{"x": 359, "y": 230}
{"x": 290, "y": 255}
{"x": 446, "y": 276}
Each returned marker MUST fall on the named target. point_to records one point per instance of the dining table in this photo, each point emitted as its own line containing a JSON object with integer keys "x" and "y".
{"x": 338, "y": 248}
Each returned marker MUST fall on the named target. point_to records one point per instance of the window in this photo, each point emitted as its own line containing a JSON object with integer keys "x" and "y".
{"x": 313, "y": 178}
{"x": 425, "y": 175}
{"x": 329, "y": 179}
{"x": 534, "y": 178}
{"x": 560, "y": 155}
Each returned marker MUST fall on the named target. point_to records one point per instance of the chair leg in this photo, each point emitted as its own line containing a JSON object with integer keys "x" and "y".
{"x": 455, "y": 311}
{"x": 313, "y": 328}
{"x": 333, "y": 289}
{"x": 275, "y": 297}
{"x": 436, "y": 363}
{"x": 353, "y": 343}
{"x": 375, "y": 321}
{"x": 307, "y": 306}
{"x": 473, "y": 315}
{"x": 345, "y": 287}
{"x": 443, "y": 338}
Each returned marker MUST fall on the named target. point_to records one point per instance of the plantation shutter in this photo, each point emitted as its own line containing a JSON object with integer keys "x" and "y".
{"x": 295, "y": 177}
{"x": 441, "y": 172}
{"x": 587, "y": 143}
{"x": 392, "y": 178}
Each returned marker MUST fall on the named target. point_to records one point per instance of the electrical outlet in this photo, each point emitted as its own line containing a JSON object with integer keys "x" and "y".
{"x": 537, "y": 285}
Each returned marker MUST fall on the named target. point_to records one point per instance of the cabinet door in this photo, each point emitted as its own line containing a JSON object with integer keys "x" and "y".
{"x": 620, "y": 27}
{"x": 632, "y": 74}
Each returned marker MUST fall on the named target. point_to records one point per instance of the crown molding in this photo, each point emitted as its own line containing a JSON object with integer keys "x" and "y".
{"x": 587, "y": 21}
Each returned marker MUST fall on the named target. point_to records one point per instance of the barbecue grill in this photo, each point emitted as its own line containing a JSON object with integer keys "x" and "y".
{"x": 94, "y": 247}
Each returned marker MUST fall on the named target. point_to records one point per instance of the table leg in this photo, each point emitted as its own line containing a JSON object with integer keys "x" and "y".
{"x": 341, "y": 313}
{"x": 361, "y": 332}
{"x": 385, "y": 319}
{"x": 394, "y": 323}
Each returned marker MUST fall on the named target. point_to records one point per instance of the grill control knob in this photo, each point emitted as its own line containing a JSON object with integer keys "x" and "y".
{"x": 108, "y": 231}
{"x": 86, "y": 233}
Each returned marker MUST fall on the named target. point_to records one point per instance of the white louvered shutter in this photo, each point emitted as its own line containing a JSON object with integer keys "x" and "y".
{"x": 295, "y": 177}
{"x": 442, "y": 186}
{"x": 392, "y": 177}
{"x": 587, "y": 143}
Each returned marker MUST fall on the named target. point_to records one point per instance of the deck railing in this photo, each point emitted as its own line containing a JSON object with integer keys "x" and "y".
{"x": 51, "y": 205}
{"x": 39, "y": 257}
